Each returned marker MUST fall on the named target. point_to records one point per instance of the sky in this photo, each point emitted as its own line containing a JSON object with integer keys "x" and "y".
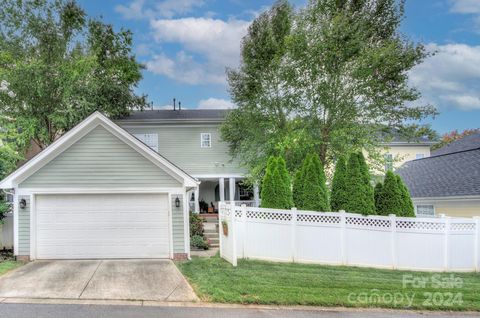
{"x": 186, "y": 45}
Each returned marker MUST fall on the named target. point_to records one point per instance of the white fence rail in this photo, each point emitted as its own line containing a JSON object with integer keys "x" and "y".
{"x": 6, "y": 232}
{"x": 339, "y": 238}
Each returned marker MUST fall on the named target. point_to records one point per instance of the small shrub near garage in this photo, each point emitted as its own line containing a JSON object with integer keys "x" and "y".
{"x": 199, "y": 242}
{"x": 196, "y": 224}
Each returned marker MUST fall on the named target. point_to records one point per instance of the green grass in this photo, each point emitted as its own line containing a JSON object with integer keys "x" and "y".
{"x": 257, "y": 282}
{"x": 5, "y": 266}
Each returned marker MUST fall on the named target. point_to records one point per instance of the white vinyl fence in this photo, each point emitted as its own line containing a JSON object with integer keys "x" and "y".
{"x": 339, "y": 238}
{"x": 6, "y": 232}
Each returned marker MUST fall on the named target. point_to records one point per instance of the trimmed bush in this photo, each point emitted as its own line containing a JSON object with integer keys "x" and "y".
{"x": 407, "y": 205}
{"x": 339, "y": 194}
{"x": 360, "y": 192}
{"x": 199, "y": 242}
{"x": 276, "y": 185}
{"x": 269, "y": 194}
{"x": 284, "y": 185}
{"x": 196, "y": 224}
{"x": 314, "y": 193}
{"x": 377, "y": 195}
{"x": 390, "y": 200}
{"x": 297, "y": 190}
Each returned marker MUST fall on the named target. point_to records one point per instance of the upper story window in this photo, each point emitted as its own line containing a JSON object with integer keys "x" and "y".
{"x": 425, "y": 210}
{"x": 150, "y": 140}
{"x": 419, "y": 156}
{"x": 205, "y": 140}
{"x": 388, "y": 161}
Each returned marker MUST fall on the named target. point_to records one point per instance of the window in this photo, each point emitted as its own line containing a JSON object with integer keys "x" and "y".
{"x": 205, "y": 140}
{"x": 150, "y": 140}
{"x": 425, "y": 210}
{"x": 388, "y": 161}
{"x": 419, "y": 156}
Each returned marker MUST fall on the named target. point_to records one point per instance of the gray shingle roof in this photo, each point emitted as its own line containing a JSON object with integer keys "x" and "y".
{"x": 466, "y": 143}
{"x": 178, "y": 115}
{"x": 453, "y": 174}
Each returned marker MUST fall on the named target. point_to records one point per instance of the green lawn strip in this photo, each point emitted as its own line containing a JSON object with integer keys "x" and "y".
{"x": 5, "y": 266}
{"x": 258, "y": 282}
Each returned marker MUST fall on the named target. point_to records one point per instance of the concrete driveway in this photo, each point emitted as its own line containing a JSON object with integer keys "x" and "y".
{"x": 157, "y": 280}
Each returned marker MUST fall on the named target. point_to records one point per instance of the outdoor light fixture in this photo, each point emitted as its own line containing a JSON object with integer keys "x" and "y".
{"x": 23, "y": 204}
{"x": 177, "y": 202}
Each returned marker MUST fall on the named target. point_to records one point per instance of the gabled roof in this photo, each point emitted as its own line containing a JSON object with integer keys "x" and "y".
{"x": 466, "y": 143}
{"x": 76, "y": 134}
{"x": 454, "y": 174}
{"x": 170, "y": 115}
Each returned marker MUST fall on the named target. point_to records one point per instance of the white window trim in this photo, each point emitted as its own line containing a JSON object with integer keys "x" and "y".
{"x": 144, "y": 137}
{"x": 209, "y": 140}
{"x": 425, "y": 215}
{"x": 419, "y": 155}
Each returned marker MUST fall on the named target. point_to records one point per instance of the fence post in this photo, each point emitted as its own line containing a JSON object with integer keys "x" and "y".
{"x": 477, "y": 243}
{"x": 293, "y": 244}
{"x": 221, "y": 215}
{"x": 244, "y": 229}
{"x": 446, "y": 222}
{"x": 393, "y": 237}
{"x": 234, "y": 234}
{"x": 343, "y": 251}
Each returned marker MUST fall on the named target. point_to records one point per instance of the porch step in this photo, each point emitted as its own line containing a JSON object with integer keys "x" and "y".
{"x": 211, "y": 235}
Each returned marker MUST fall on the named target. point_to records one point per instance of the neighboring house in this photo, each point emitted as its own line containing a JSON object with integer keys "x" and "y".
{"x": 99, "y": 192}
{"x": 399, "y": 150}
{"x": 448, "y": 182}
{"x": 191, "y": 139}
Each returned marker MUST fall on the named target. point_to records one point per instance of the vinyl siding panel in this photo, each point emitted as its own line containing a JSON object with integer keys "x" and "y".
{"x": 24, "y": 228}
{"x": 100, "y": 159}
{"x": 178, "y": 228}
{"x": 181, "y": 145}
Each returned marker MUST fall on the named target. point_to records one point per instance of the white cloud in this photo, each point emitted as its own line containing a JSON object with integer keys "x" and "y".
{"x": 213, "y": 41}
{"x": 450, "y": 78}
{"x": 139, "y": 9}
{"x": 465, "y": 6}
{"x": 183, "y": 68}
{"x": 215, "y": 103}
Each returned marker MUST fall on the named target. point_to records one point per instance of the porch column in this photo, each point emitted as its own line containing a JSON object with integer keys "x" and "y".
{"x": 197, "y": 204}
{"x": 231, "y": 187}
{"x": 256, "y": 195}
{"x": 221, "y": 188}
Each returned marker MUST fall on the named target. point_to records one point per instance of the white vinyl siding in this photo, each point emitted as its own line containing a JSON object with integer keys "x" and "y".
{"x": 178, "y": 225}
{"x": 206, "y": 140}
{"x": 100, "y": 159}
{"x": 83, "y": 226}
{"x": 151, "y": 140}
{"x": 24, "y": 227}
{"x": 425, "y": 210}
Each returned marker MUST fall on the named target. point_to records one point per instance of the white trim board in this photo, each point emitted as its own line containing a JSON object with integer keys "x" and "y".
{"x": 81, "y": 130}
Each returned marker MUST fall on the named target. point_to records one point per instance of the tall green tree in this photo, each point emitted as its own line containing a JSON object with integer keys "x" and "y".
{"x": 361, "y": 197}
{"x": 57, "y": 66}
{"x": 284, "y": 198}
{"x": 408, "y": 209}
{"x": 339, "y": 196}
{"x": 323, "y": 79}
{"x": 378, "y": 195}
{"x": 269, "y": 193}
{"x": 390, "y": 199}
{"x": 315, "y": 193}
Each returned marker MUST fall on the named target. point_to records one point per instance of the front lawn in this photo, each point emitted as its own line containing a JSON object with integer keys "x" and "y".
{"x": 5, "y": 266}
{"x": 257, "y": 282}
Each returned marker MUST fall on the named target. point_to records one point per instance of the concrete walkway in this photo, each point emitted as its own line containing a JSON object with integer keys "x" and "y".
{"x": 154, "y": 280}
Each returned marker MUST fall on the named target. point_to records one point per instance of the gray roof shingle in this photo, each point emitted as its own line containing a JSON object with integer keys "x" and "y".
{"x": 452, "y": 174}
{"x": 466, "y": 143}
{"x": 178, "y": 115}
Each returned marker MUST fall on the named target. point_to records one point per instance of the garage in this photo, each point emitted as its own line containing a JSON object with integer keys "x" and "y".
{"x": 91, "y": 226}
{"x": 100, "y": 193}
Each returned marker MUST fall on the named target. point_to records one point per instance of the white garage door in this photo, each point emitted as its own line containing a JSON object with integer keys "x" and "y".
{"x": 102, "y": 226}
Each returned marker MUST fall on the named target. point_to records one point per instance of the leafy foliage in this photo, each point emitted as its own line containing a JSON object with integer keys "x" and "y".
{"x": 200, "y": 242}
{"x": 58, "y": 66}
{"x": 196, "y": 224}
{"x": 322, "y": 80}
{"x": 284, "y": 185}
{"x": 377, "y": 195}
{"x": 339, "y": 196}
{"x": 269, "y": 185}
{"x": 452, "y": 136}
{"x": 311, "y": 191}
{"x": 390, "y": 199}
{"x": 360, "y": 192}
{"x": 408, "y": 209}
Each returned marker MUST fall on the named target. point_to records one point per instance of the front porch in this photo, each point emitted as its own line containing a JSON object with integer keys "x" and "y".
{"x": 205, "y": 198}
